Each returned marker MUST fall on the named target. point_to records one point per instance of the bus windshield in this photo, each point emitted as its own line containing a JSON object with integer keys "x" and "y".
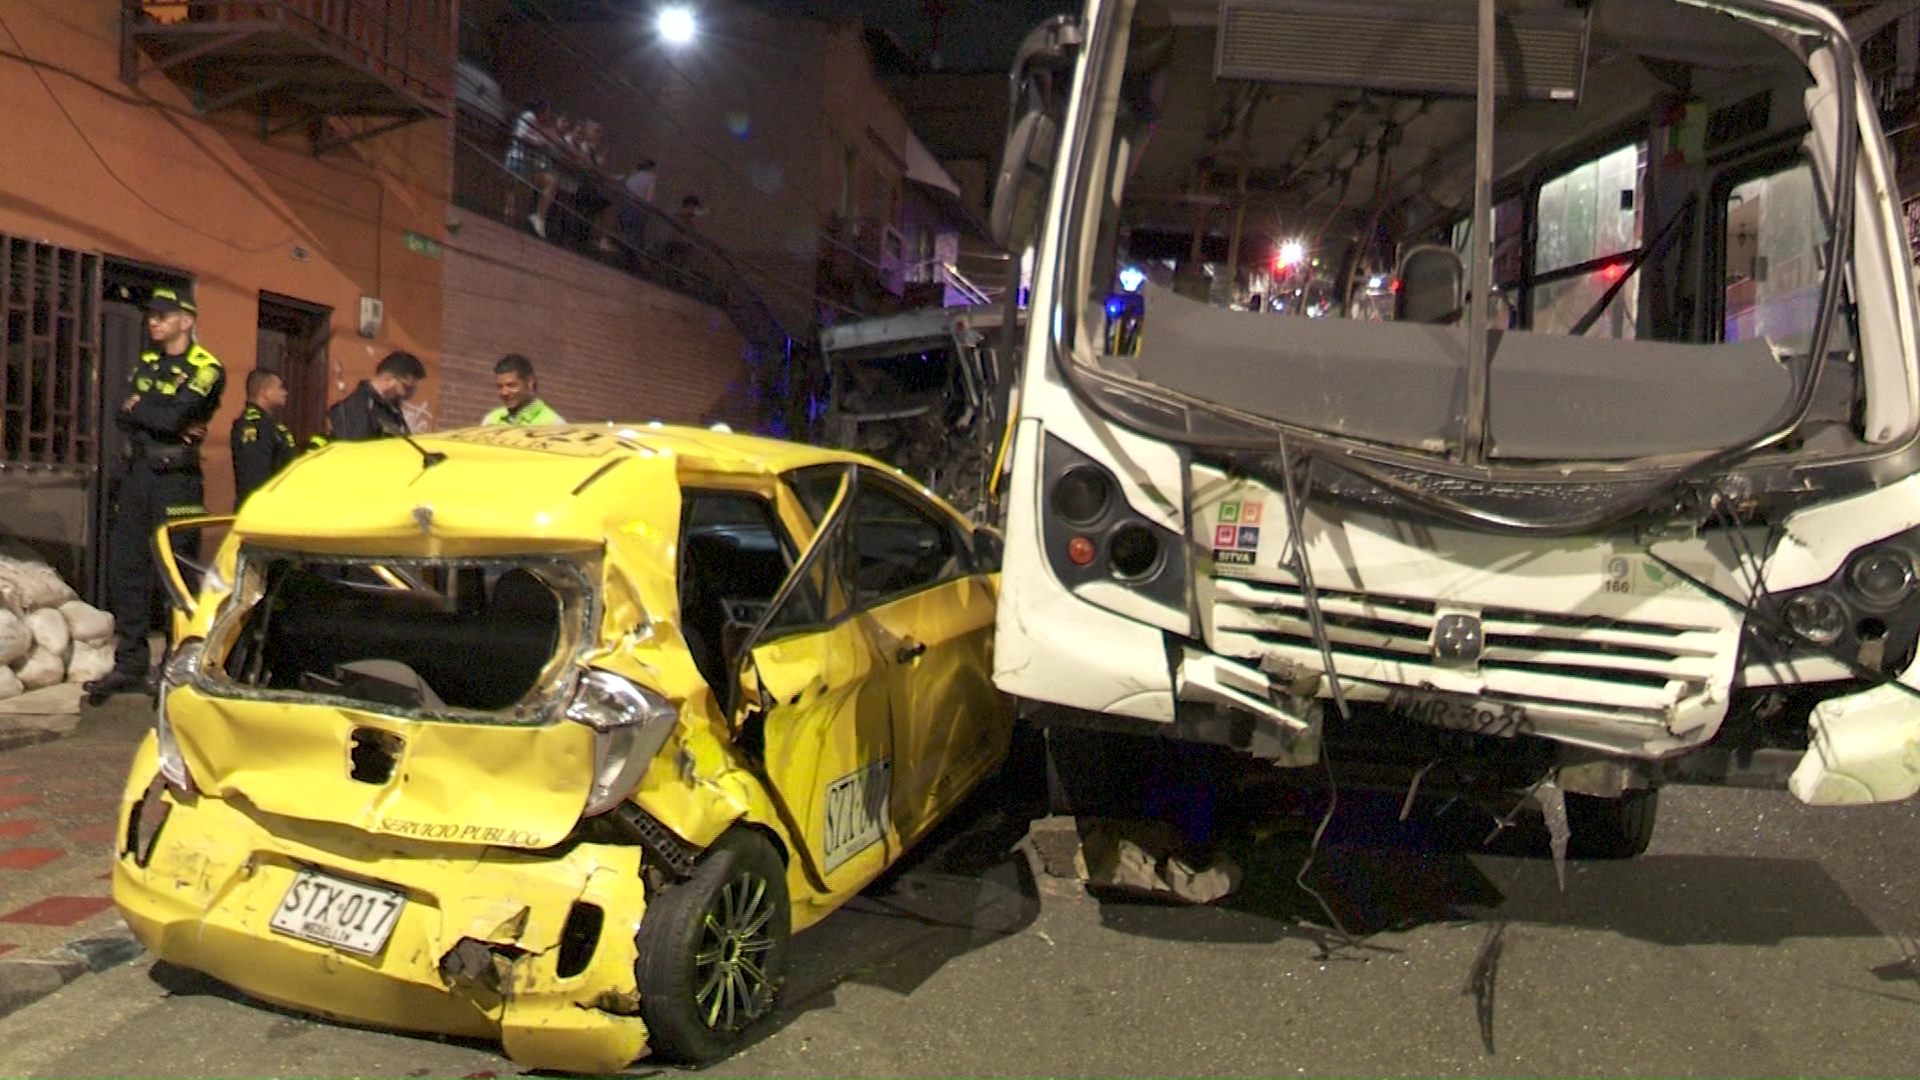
{"x": 1277, "y": 233}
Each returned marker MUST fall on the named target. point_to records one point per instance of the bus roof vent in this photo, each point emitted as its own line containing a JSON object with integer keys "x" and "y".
{"x": 1411, "y": 46}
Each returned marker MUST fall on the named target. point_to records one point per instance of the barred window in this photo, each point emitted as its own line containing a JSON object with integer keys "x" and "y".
{"x": 50, "y": 304}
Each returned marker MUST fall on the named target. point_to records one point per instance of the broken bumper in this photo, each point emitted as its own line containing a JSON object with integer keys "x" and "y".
{"x": 214, "y": 875}
{"x": 1863, "y": 748}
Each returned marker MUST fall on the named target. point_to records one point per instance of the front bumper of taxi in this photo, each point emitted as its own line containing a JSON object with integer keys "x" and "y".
{"x": 478, "y": 951}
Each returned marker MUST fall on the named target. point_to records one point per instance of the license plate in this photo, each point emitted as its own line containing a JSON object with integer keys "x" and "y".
{"x": 344, "y": 914}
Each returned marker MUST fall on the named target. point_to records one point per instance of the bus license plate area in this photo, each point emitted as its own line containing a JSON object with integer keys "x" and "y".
{"x": 347, "y": 915}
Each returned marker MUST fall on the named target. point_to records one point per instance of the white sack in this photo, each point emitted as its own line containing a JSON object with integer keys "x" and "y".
{"x": 16, "y": 641}
{"x": 87, "y": 623}
{"x": 41, "y": 668}
{"x": 90, "y": 661}
{"x": 50, "y": 632}
{"x": 27, "y": 586}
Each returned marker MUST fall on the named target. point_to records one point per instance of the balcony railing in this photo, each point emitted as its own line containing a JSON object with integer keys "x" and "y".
{"x": 596, "y": 219}
{"x": 300, "y": 61}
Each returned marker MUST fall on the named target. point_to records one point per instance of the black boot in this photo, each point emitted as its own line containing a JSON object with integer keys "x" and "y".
{"x": 115, "y": 682}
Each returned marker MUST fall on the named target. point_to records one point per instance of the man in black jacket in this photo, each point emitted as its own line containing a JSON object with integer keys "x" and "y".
{"x": 172, "y": 392}
{"x": 262, "y": 445}
{"x": 372, "y": 411}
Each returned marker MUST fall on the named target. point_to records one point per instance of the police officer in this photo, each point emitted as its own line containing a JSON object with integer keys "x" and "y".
{"x": 262, "y": 445}
{"x": 171, "y": 394}
{"x": 372, "y": 411}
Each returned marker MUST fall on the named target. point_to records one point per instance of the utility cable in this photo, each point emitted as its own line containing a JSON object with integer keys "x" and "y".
{"x": 1303, "y": 570}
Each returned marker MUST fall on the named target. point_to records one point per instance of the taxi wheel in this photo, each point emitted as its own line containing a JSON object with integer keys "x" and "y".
{"x": 713, "y": 951}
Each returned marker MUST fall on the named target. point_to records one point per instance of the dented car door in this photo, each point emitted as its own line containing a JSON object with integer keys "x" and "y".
{"x": 931, "y": 616}
{"x": 814, "y": 709}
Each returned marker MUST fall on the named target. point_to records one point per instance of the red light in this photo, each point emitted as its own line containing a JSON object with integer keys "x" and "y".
{"x": 1080, "y": 551}
{"x": 1613, "y": 272}
{"x": 1394, "y": 285}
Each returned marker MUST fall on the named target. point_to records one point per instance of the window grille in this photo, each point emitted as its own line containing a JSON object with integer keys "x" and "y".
{"x": 50, "y": 367}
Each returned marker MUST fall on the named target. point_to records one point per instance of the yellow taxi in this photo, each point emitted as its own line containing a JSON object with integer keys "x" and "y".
{"x": 556, "y": 735}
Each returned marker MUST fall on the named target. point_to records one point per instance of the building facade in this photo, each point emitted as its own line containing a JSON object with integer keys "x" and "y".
{"x": 287, "y": 160}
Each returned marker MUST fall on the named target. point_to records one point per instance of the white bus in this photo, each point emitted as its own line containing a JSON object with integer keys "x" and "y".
{"x": 1527, "y": 397}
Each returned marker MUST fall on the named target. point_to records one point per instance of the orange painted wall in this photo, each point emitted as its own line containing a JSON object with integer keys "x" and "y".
{"x": 133, "y": 172}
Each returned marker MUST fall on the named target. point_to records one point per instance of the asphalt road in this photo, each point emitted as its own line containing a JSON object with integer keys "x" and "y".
{"x": 1758, "y": 938}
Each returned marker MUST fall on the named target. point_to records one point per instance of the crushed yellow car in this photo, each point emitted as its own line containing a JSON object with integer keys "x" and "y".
{"x": 555, "y": 735}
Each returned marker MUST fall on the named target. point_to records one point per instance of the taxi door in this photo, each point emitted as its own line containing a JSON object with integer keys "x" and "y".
{"x": 813, "y": 710}
{"x": 930, "y": 612}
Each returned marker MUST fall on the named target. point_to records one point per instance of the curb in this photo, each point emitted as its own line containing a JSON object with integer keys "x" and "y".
{"x": 17, "y": 731}
{"x": 23, "y": 982}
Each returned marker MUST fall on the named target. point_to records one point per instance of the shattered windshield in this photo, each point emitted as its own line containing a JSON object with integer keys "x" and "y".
{"x": 1279, "y": 228}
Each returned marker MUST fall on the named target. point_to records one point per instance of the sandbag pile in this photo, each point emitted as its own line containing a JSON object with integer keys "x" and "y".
{"x": 48, "y": 634}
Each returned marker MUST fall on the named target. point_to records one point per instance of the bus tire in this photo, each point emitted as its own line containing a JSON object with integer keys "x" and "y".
{"x": 1612, "y": 828}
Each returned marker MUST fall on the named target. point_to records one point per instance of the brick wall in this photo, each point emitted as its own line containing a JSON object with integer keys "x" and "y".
{"x": 606, "y": 346}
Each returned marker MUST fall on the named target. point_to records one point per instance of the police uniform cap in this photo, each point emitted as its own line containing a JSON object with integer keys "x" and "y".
{"x": 169, "y": 300}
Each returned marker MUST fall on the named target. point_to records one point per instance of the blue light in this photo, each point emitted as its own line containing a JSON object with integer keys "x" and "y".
{"x": 1115, "y": 306}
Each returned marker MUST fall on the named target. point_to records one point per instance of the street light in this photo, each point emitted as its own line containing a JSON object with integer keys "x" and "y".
{"x": 676, "y": 24}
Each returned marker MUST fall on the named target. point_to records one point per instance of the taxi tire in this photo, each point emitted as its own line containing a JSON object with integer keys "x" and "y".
{"x": 741, "y": 865}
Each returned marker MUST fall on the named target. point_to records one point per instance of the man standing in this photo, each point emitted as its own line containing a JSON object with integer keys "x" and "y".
{"x": 513, "y": 380}
{"x": 262, "y": 445}
{"x": 372, "y": 411}
{"x": 171, "y": 394}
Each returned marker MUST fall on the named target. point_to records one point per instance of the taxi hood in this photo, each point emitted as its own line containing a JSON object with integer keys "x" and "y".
{"x": 485, "y": 489}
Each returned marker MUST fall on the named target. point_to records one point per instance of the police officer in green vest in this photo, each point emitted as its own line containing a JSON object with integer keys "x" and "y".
{"x": 261, "y": 444}
{"x": 519, "y": 404}
{"x": 169, "y": 397}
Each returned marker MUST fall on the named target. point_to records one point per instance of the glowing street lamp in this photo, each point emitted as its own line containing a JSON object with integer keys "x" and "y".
{"x": 677, "y": 25}
{"x": 1292, "y": 253}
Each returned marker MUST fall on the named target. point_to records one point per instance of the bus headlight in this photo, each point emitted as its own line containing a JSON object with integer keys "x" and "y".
{"x": 1882, "y": 577}
{"x": 1082, "y": 495}
{"x": 1816, "y": 616}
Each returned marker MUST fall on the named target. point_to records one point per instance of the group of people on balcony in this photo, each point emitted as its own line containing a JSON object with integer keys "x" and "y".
{"x": 564, "y": 161}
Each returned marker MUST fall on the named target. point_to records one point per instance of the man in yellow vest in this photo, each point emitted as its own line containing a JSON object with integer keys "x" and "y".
{"x": 169, "y": 397}
{"x": 519, "y": 404}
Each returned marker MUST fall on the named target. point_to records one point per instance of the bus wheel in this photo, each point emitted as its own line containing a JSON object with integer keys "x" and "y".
{"x": 1616, "y": 828}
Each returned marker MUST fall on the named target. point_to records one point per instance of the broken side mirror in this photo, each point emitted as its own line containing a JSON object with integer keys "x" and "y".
{"x": 1020, "y": 188}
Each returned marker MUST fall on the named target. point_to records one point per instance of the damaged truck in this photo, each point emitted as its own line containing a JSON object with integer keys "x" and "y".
{"x": 928, "y": 393}
{"x": 1520, "y": 396}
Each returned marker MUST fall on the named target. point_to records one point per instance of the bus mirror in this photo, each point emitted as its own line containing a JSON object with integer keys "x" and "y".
{"x": 1021, "y": 186}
